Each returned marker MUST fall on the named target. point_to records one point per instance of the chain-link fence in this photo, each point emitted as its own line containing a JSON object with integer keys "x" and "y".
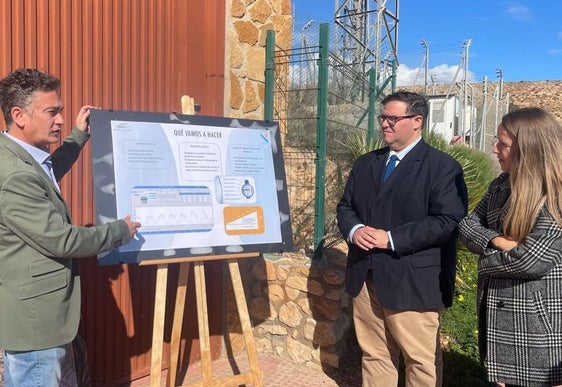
{"x": 317, "y": 135}
{"x": 482, "y": 111}
{"x": 320, "y": 139}
{"x": 469, "y": 110}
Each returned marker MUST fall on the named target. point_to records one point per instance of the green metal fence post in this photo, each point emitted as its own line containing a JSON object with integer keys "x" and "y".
{"x": 372, "y": 100}
{"x": 321, "y": 125}
{"x": 269, "y": 74}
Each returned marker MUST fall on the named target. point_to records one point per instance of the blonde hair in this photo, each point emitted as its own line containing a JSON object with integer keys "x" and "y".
{"x": 536, "y": 171}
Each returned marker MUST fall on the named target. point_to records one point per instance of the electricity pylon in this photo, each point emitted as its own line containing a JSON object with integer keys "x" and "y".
{"x": 366, "y": 37}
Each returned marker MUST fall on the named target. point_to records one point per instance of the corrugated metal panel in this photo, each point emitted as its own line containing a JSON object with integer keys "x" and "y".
{"x": 140, "y": 55}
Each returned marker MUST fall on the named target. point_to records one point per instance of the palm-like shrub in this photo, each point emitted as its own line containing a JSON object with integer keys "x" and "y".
{"x": 477, "y": 166}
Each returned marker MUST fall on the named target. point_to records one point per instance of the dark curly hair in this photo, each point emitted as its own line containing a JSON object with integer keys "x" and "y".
{"x": 18, "y": 88}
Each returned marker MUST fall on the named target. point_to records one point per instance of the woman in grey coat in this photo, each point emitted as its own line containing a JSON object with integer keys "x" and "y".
{"x": 517, "y": 230}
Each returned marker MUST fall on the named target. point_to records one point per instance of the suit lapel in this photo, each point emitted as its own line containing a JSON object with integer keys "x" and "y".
{"x": 408, "y": 165}
{"x": 377, "y": 168}
{"x": 21, "y": 153}
{"x": 39, "y": 169}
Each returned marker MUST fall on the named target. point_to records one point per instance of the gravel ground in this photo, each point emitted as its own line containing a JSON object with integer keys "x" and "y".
{"x": 347, "y": 375}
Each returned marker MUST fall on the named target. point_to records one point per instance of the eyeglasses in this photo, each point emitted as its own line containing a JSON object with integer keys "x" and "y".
{"x": 392, "y": 120}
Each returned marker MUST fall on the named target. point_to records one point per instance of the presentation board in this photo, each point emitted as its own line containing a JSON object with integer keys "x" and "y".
{"x": 199, "y": 185}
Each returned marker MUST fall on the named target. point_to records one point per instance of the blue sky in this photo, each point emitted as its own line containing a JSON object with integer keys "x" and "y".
{"x": 523, "y": 38}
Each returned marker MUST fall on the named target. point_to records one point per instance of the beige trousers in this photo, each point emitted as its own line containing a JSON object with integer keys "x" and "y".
{"x": 382, "y": 333}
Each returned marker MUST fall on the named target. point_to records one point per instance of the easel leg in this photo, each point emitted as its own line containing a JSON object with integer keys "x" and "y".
{"x": 183, "y": 276}
{"x": 158, "y": 325}
{"x": 245, "y": 322}
{"x": 203, "y": 322}
{"x": 254, "y": 377}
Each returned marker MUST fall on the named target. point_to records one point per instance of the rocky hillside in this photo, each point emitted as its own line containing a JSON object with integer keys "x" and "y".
{"x": 545, "y": 94}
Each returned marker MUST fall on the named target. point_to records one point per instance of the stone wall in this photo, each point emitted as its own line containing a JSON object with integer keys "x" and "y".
{"x": 247, "y": 23}
{"x": 298, "y": 307}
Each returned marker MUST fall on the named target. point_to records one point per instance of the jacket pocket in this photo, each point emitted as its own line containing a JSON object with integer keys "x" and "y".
{"x": 542, "y": 312}
{"x": 44, "y": 266}
{"x": 44, "y": 285}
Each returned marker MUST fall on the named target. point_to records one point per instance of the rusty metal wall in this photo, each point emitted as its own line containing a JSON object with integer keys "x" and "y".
{"x": 140, "y": 55}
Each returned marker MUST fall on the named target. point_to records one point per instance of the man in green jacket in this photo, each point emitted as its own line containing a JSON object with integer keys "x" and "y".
{"x": 39, "y": 279}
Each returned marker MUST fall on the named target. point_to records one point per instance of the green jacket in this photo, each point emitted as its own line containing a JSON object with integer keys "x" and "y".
{"x": 39, "y": 279}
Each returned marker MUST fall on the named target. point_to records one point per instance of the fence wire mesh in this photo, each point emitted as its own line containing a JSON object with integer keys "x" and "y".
{"x": 471, "y": 118}
{"x": 297, "y": 110}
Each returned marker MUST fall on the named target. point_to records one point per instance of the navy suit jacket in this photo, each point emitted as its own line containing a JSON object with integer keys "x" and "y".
{"x": 421, "y": 204}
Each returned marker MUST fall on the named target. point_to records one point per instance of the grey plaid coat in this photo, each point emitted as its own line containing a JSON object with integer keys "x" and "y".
{"x": 520, "y": 294}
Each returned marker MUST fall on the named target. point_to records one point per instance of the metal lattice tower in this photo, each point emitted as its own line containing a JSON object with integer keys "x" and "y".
{"x": 366, "y": 35}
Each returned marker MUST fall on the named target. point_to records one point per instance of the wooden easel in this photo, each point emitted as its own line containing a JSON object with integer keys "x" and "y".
{"x": 254, "y": 376}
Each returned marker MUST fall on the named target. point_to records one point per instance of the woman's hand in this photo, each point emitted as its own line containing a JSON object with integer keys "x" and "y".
{"x": 503, "y": 242}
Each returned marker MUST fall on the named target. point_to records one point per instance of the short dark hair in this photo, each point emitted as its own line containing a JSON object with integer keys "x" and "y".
{"x": 416, "y": 103}
{"x": 18, "y": 88}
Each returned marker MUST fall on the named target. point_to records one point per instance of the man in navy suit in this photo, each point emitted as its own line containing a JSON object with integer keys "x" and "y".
{"x": 400, "y": 221}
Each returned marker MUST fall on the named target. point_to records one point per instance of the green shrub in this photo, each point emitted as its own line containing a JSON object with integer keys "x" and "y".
{"x": 459, "y": 329}
{"x": 459, "y": 321}
{"x": 477, "y": 166}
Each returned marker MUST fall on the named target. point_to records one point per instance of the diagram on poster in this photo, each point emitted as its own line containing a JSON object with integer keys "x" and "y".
{"x": 198, "y": 185}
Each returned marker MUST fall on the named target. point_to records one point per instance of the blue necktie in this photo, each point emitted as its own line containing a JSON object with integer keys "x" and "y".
{"x": 390, "y": 165}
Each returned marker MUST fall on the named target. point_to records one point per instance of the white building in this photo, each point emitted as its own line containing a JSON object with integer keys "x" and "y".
{"x": 444, "y": 115}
